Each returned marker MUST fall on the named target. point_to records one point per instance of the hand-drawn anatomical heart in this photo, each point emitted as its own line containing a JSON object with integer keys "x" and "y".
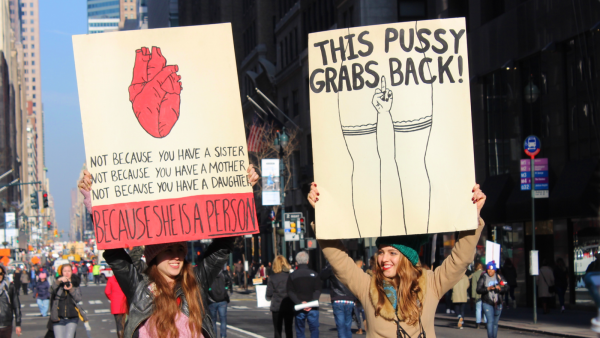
{"x": 154, "y": 92}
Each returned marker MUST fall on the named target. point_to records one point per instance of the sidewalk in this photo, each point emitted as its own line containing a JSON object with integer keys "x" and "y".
{"x": 572, "y": 323}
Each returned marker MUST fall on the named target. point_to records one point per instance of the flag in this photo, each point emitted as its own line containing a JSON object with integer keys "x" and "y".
{"x": 255, "y": 140}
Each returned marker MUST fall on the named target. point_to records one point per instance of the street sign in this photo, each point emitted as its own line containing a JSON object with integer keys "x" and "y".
{"x": 532, "y": 146}
{"x": 271, "y": 186}
{"x": 541, "y": 176}
{"x": 292, "y": 225}
{"x": 272, "y": 214}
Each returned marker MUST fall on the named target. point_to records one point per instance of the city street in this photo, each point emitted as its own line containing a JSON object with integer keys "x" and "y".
{"x": 244, "y": 319}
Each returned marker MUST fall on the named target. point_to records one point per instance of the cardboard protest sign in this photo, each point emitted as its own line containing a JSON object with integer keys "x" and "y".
{"x": 391, "y": 129}
{"x": 164, "y": 135}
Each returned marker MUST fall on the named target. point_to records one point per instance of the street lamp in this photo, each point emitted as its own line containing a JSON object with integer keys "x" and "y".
{"x": 281, "y": 141}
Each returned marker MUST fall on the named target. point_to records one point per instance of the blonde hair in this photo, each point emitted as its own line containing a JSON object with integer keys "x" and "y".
{"x": 279, "y": 262}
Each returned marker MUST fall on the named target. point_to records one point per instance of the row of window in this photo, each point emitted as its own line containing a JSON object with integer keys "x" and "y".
{"x": 32, "y": 47}
{"x": 104, "y": 24}
{"x": 288, "y": 48}
{"x": 32, "y": 55}
{"x": 130, "y": 8}
{"x": 32, "y": 80}
{"x": 27, "y": 71}
{"x": 25, "y": 38}
{"x": 103, "y": 12}
{"x": 104, "y": 4}
{"x": 249, "y": 38}
{"x": 25, "y": 13}
{"x": 25, "y": 5}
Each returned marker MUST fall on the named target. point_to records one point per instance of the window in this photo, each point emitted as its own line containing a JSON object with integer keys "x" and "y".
{"x": 31, "y": 30}
{"x": 25, "y": 55}
{"x": 125, "y": 7}
{"x": 31, "y": 4}
{"x": 32, "y": 46}
{"x": 32, "y": 38}
{"x": 32, "y": 54}
{"x": 32, "y": 62}
{"x": 31, "y": 22}
{"x": 130, "y": 8}
{"x": 131, "y": 16}
{"x": 31, "y": 13}
{"x": 26, "y": 71}
{"x": 26, "y": 79}
{"x": 25, "y": 46}
{"x": 34, "y": 104}
{"x": 34, "y": 96}
{"x": 33, "y": 71}
{"x": 33, "y": 79}
{"x": 25, "y": 63}
{"x": 295, "y": 108}
{"x": 33, "y": 87}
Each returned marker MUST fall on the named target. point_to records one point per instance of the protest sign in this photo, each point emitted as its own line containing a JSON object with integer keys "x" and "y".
{"x": 391, "y": 129}
{"x": 164, "y": 135}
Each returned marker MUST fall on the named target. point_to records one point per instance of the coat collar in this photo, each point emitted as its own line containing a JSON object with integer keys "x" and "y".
{"x": 387, "y": 311}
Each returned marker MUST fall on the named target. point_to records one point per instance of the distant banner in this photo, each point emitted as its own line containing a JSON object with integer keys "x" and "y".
{"x": 164, "y": 135}
{"x": 271, "y": 186}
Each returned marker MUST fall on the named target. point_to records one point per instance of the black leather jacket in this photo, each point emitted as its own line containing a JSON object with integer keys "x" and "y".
{"x": 134, "y": 284}
{"x": 10, "y": 307}
{"x": 338, "y": 291}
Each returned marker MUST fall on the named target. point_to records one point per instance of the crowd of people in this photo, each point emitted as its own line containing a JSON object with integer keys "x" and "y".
{"x": 155, "y": 291}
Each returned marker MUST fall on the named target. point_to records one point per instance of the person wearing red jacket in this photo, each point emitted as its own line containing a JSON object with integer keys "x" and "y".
{"x": 118, "y": 303}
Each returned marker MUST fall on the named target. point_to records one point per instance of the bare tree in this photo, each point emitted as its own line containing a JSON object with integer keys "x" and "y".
{"x": 268, "y": 150}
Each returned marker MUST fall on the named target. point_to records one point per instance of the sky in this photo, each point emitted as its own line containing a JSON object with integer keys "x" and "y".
{"x": 59, "y": 20}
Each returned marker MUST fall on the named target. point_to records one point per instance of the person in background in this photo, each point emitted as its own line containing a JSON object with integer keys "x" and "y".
{"x": 372, "y": 265}
{"x": 561, "y": 282}
{"x": 25, "y": 281}
{"x": 491, "y": 286}
{"x": 118, "y": 303}
{"x": 510, "y": 273}
{"x": 33, "y": 278}
{"x": 96, "y": 272}
{"x": 42, "y": 294}
{"x": 218, "y": 298}
{"x": 76, "y": 270}
{"x": 65, "y": 295}
{"x": 476, "y": 297}
{"x": 17, "y": 279}
{"x": 342, "y": 302}
{"x": 303, "y": 286}
{"x": 459, "y": 298}
{"x": 282, "y": 307}
{"x": 269, "y": 270}
{"x": 359, "y": 311}
{"x": 84, "y": 270}
{"x": 546, "y": 285}
{"x": 10, "y": 306}
{"x": 239, "y": 273}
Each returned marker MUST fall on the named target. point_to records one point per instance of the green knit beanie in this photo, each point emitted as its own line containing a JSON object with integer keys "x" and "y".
{"x": 409, "y": 245}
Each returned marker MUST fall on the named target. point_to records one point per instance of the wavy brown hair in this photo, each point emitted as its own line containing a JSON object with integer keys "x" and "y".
{"x": 165, "y": 305}
{"x": 406, "y": 283}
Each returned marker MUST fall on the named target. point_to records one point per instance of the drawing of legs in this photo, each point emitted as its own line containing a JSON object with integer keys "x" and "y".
{"x": 361, "y": 140}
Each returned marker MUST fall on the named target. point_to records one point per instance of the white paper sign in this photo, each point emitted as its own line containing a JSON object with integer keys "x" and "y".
{"x": 261, "y": 298}
{"x": 492, "y": 253}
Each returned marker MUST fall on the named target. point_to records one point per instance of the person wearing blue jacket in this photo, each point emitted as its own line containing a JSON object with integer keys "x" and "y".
{"x": 42, "y": 294}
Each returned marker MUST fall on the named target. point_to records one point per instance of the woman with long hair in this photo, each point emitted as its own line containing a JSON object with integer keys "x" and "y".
{"x": 64, "y": 298}
{"x": 282, "y": 306}
{"x": 401, "y": 298}
{"x": 169, "y": 298}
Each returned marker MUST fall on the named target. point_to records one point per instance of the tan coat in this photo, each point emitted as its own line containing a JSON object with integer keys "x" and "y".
{"x": 433, "y": 283}
{"x": 545, "y": 280}
{"x": 459, "y": 291}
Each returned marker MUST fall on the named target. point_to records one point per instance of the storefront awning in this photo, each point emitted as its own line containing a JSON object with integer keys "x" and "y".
{"x": 576, "y": 194}
{"x": 497, "y": 189}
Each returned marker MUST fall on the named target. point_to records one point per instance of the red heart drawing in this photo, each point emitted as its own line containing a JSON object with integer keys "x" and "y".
{"x": 154, "y": 92}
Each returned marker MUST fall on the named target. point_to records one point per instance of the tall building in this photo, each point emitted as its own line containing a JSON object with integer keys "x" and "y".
{"x": 129, "y": 14}
{"x": 103, "y": 15}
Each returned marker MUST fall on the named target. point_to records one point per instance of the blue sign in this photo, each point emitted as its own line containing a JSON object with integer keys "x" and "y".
{"x": 538, "y": 186}
{"x": 532, "y": 145}
{"x": 272, "y": 215}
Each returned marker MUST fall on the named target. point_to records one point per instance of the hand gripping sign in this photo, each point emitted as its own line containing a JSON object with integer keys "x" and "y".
{"x": 167, "y": 165}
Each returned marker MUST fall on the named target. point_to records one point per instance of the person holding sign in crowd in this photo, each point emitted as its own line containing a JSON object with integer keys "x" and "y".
{"x": 491, "y": 286}
{"x": 401, "y": 298}
{"x": 168, "y": 298}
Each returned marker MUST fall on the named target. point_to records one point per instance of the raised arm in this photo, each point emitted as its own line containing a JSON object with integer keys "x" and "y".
{"x": 455, "y": 265}
{"x": 213, "y": 260}
{"x": 124, "y": 271}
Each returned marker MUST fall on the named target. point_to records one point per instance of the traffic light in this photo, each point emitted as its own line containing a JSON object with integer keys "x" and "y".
{"x": 34, "y": 200}
{"x": 45, "y": 199}
{"x": 49, "y": 225}
{"x": 311, "y": 243}
{"x": 55, "y": 233}
{"x": 302, "y": 225}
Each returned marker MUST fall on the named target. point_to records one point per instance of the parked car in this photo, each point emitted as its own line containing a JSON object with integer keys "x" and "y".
{"x": 105, "y": 272}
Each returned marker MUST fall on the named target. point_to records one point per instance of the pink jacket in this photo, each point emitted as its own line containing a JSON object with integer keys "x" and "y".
{"x": 118, "y": 302}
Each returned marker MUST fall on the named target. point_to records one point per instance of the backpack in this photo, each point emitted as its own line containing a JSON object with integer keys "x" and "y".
{"x": 218, "y": 291}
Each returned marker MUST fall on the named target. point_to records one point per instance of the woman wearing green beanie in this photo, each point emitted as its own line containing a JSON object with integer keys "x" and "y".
{"x": 400, "y": 298}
